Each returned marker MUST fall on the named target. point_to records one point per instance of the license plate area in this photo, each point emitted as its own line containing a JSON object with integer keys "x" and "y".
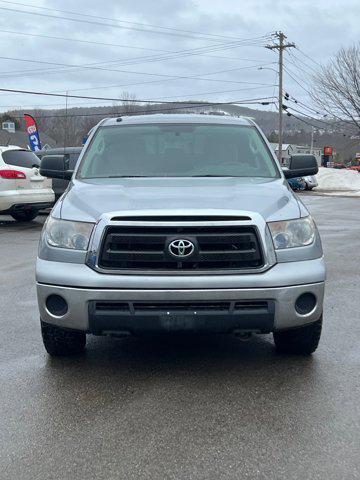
{"x": 174, "y": 322}
{"x": 141, "y": 317}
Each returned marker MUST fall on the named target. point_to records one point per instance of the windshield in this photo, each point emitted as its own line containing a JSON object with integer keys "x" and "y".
{"x": 177, "y": 150}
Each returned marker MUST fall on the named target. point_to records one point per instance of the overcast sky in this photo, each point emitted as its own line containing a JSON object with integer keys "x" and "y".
{"x": 124, "y": 48}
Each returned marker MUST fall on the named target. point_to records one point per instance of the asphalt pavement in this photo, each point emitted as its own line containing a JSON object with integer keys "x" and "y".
{"x": 210, "y": 407}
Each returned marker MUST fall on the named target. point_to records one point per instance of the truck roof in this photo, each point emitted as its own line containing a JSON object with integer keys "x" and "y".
{"x": 178, "y": 118}
{"x": 58, "y": 151}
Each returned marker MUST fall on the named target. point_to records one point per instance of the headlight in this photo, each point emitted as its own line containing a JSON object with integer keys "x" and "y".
{"x": 293, "y": 233}
{"x": 66, "y": 234}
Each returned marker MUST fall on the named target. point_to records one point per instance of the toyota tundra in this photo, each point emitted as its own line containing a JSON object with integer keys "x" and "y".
{"x": 179, "y": 223}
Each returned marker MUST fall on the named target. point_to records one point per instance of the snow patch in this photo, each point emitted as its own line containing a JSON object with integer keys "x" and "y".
{"x": 340, "y": 182}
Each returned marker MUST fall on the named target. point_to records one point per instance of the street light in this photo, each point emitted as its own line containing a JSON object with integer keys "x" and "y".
{"x": 268, "y": 68}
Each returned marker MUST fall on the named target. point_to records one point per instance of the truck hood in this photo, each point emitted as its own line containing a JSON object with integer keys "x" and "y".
{"x": 88, "y": 200}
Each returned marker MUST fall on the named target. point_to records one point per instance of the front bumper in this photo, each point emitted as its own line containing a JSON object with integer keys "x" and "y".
{"x": 81, "y": 287}
{"x": 81, "y": 313}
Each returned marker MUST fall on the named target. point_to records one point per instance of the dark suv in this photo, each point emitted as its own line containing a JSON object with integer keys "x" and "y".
{"x": 71, "y": 156}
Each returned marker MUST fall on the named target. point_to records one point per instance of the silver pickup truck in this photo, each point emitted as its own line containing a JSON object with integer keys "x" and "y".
{"x": 176, "y": 223}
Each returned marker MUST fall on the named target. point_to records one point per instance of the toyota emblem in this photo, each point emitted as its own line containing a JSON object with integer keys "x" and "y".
{"x": 181, "y": 248}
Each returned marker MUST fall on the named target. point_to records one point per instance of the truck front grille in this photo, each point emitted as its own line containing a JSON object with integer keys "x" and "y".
{"x": 139, "y": 248}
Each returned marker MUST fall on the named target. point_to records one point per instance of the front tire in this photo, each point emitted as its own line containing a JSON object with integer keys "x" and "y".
{"x": 299, "y": 341}
{"x": 25, "y": 215}
{"x": 59, "y": 342}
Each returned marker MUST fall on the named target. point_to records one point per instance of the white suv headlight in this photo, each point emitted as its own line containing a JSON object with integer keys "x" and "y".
{"x": 293, "y": 233}
{"x": 67, "y": 234}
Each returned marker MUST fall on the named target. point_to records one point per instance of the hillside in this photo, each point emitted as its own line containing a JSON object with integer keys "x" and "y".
{"x": 69, "y": 128}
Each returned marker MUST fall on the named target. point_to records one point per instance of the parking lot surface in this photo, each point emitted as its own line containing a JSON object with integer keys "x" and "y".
{"x": 210, "y": 407}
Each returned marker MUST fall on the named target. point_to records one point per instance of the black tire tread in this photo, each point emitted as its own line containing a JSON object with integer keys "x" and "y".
{"x": 61, "y": 342}
{"x": 25, "y": 216}
{"x": 299, "y": 341}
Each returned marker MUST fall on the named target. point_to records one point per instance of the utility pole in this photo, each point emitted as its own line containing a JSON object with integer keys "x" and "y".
{"x": 66, "y": 120}
{"x": 312, "y": 140}
{"x": 280, "y": 46}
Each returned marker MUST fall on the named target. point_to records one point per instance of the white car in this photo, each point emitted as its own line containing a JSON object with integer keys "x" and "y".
{"x": 23, "y": 191}
{"x": 310, "y": 182}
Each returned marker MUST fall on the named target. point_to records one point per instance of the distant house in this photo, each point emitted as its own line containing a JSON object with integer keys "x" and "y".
{"x": 21, "y": 139}
{"x": 289, "y": 149}
{"x": 8, "y": 126}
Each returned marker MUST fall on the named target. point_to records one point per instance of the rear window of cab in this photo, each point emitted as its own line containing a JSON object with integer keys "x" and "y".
{"x": 21, "y": 158}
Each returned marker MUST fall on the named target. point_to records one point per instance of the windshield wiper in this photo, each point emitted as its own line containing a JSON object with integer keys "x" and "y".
{"x": 164, "y": 176}
{"x": 213, "y": 175}
{"x": 126, "y": 176}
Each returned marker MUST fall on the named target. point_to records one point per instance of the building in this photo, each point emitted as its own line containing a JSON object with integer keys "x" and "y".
{"x": 289, "y": 149}
{"x": 8, "y": 126}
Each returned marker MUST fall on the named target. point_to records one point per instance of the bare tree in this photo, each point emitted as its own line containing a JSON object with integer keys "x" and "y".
{"x": 129, "y": 103}
{"x": 337, "y": 86}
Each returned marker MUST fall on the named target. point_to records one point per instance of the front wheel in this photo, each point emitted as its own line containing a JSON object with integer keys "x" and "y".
{"x": 59, "y": 342}
{"x": 25, "y": 215}
{"x": 300, "y": 341}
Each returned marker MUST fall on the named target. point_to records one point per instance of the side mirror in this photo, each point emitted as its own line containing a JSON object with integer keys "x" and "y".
{"x": 301, "y": 166}
{"x": 55, "y": 166}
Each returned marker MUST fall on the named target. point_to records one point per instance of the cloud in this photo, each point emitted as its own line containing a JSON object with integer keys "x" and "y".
{"x": 136, "y": 54}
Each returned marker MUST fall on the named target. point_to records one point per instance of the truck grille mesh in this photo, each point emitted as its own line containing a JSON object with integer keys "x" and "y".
{"x": 140, "y": 248}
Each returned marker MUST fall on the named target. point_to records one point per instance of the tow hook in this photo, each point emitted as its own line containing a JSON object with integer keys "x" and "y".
{"x": 243, "y": 335}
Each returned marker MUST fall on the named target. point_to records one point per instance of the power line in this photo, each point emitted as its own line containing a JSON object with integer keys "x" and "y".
{"x": 341, "y": 147}
{"x": 263, "y": 101}
{"x": 155, "y": 82}
{"x": 312, "y": 124}
{"x": 304, "y": 73}
{"x": 91, "y": 42}
{"x": 84, "y": 104}
{"x": 102, "y": 24}
{"x": 304, "y": 64}
{"x": 91, "y": 66}
{"x": 65, "y": 95}
{"x": 97, "y": 17}
{"x": 308, "y": 116}
{"x": 290, "y": 114}
{"x": 330, "y": 122}
{"x": 291, "y": 75}
{"x": 166, "y": 76}
{"x": 304, "y": 105}
{"x": 217, "y": 92}
{"x": 309, "y": 93}
{"x": 308, "y": 57}
{"x": 302, "y": 120}
{"x": 131, "y": 47}
{"x": 323, "y": 106}
{"x": 133, "y": 61}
